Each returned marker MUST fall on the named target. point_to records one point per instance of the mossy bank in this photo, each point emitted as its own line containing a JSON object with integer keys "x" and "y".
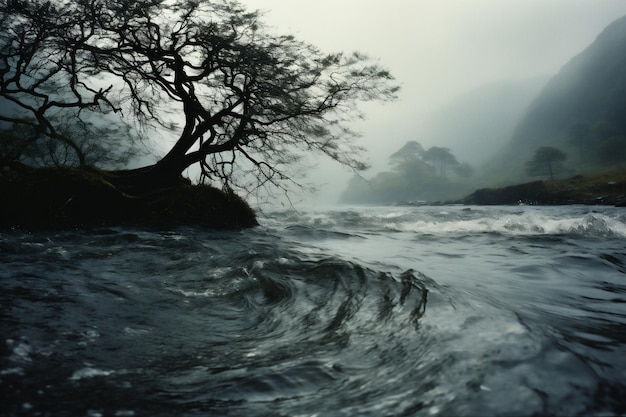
{"x": 603, "y": 189}
{"x": 61, "y": 198}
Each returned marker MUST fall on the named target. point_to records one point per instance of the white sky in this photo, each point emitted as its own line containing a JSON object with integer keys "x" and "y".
{"x": 438, "y": 49}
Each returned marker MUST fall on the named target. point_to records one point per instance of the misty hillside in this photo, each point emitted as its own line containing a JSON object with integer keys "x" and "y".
{"x": 480, "y": 122}
{"x": 468, "y": 131}
{"x": 582, "y": 109}
{"x": 492, "y": 133}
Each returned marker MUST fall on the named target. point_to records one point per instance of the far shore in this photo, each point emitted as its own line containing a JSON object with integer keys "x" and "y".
{"x": 602, "y": 189}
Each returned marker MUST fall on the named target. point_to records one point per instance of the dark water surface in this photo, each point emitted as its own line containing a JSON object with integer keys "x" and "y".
{"x": 364, "y": 311}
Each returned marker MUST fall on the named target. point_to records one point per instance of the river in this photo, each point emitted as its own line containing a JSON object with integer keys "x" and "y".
{"x": 351, "y": 311}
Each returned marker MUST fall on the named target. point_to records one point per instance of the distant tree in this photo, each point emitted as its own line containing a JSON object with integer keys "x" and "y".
{"x": 441, "y": 157}
{"x": 546, "y": 161}
{"x": 239, "y": 103}
{"x": 411, "y": 178}
{"x": 407, "y": 161}
{"x": 410, "y": 151}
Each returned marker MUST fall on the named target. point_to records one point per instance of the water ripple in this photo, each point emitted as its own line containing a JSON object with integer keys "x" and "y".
{"x": 382, "y": 312}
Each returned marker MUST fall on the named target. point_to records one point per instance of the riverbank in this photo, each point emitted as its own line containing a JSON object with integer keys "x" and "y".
{"x": 603, "y": 189}
{"x": 61, "y": 198}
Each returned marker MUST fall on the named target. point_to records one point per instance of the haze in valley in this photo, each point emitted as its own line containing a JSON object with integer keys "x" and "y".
{"x": 441, "y": 53}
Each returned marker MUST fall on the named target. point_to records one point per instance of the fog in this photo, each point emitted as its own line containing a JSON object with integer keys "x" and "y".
{"x": 437, "y": 50}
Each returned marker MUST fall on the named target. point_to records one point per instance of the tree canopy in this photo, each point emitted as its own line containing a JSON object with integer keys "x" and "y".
{"x": 441, "y": 157}
{"x": 412, "y": 177}
{"x": 546, "y": 161}
{"x": 233, "y": 98}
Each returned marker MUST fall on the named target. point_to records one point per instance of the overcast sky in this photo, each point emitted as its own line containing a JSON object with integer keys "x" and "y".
{"x": 439, "y": 49}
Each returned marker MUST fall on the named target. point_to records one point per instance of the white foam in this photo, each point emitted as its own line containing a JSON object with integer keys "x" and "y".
{"x": 205, "y": 293}
{"x": 21, "y": 351}
{"x": 88, "y": 372}
{"x": 527, "y": 223}
{"x": 12, "y": 371}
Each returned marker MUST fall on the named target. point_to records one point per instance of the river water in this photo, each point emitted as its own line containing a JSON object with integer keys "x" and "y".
{"x": 357, "y": 311}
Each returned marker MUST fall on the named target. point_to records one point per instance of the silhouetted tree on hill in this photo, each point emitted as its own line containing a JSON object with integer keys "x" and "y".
{"x": 408, "y": 162}
{"x": 410, "y": 151}
{"x": 441, "y": 157}
{"x": 546, "y": 161}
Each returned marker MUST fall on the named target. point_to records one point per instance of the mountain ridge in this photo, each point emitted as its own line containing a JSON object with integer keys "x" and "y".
{"x": 590, "y": 88}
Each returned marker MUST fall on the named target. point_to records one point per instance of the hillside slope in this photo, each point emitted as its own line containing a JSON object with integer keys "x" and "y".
{"x": 589, "y": 93}
{"x": 608, "y": 188}
{"x": 481, "y": 121}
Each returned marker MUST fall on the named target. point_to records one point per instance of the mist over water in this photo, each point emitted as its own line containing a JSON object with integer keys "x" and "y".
{"x": 359, "y": 311}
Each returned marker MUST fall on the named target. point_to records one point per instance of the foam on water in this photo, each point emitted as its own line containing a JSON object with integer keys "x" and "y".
{"x": 520, "y": 220}
{"x": 528, "y": 223}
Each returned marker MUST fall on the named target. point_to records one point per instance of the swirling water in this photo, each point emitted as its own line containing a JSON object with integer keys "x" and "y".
{"x": 361, "y": 311}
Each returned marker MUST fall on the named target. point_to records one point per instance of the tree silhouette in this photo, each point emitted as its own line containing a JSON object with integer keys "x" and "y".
{"x": 235, "y": 99}
{"x": 441, "y": 157}
{"x": 546, "y": 161}
{"x": 411, "y": 150}
{"x": 407, "y": 159}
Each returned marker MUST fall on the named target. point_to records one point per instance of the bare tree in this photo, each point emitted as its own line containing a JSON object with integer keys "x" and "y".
{"x": 42, "y": 82}
{"x": 546, "y": 161}
{"x": 234, "y": 97}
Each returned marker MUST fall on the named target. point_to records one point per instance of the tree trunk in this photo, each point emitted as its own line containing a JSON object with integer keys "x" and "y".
{"x": 145, "y": 180}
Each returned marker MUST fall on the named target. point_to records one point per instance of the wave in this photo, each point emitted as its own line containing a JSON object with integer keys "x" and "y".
{"x": 441, "y": 221}
{"x": 590, "y": 225}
